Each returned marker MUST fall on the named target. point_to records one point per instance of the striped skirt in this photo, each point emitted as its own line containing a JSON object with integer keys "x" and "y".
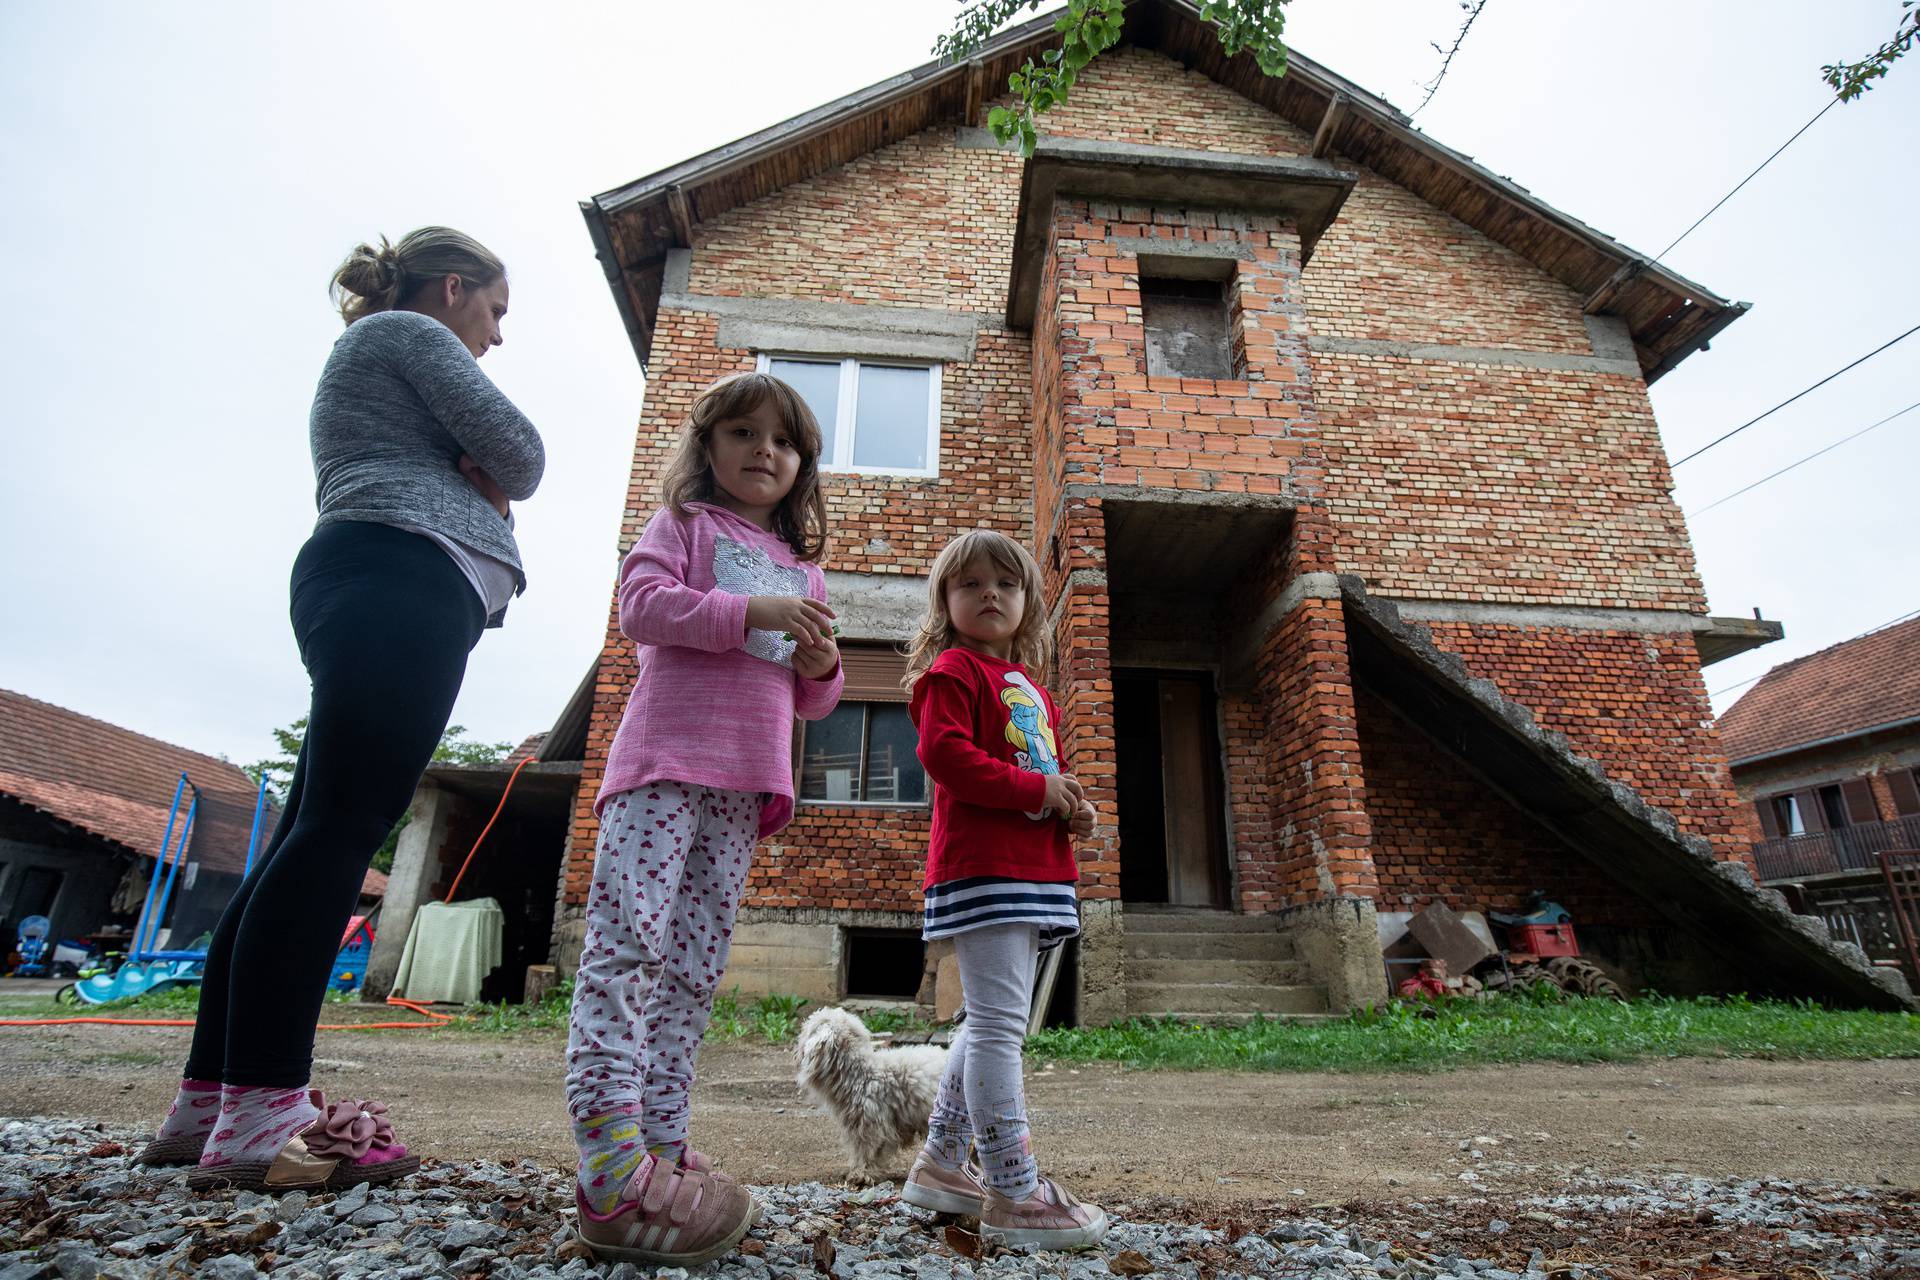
{"x": 955, "y": 906}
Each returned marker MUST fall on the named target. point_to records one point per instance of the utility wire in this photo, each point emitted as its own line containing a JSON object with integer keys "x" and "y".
{"x": 1790, "y": 399}
{"x": 1809, "y": 458}
{"x": 1744, "y": 181}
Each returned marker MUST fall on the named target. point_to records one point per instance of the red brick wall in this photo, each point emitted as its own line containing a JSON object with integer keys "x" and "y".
{"x": 1501, "y": 484}
{"x": 844, "y": 857}
{"x": 1440, "y": 835}
{"x": 1633, "y": 701}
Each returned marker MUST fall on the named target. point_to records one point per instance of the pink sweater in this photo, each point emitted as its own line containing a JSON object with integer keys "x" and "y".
{"x": 713, "y": 703}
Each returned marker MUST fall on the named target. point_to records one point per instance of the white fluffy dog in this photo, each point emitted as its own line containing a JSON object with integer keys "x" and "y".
{"x": 881, "y": 1097}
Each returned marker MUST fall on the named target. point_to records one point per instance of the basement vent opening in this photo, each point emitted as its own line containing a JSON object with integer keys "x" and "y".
{"x": 884, "y": 963}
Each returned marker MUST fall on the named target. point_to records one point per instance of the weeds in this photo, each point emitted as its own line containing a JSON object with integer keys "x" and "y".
{"x": 1438, "y": 1036}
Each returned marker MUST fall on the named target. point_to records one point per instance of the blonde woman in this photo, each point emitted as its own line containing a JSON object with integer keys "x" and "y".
{"x": 417, "y": 457}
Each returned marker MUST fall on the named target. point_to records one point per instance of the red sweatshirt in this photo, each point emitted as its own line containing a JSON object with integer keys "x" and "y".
{"x": 987, "y": 741}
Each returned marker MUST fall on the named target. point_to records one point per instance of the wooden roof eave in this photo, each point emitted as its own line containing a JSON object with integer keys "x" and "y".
{"x": 1669, "y": 316}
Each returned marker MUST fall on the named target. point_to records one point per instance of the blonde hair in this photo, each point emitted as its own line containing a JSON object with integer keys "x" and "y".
{"x": 381, "y": 279}
{"x": 1032, "y": 646}
{"x": 801, "y": 517}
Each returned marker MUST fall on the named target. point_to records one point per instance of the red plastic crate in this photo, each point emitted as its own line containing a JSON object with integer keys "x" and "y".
{"x": 1545, "y": 939}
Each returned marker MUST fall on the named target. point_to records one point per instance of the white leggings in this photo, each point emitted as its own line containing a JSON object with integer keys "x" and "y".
{"x": 981, "y": 1094}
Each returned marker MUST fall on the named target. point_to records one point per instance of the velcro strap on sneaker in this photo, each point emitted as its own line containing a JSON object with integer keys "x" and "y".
{"x": 686, "y": 1200}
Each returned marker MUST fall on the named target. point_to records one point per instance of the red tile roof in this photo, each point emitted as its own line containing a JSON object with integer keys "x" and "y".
{"x": 373, "y": 884}
{"x": 1852, "y": 687}
{"x": 118, "y": 785}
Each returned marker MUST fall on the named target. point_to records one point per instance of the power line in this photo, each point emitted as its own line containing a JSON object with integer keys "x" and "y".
{"x": 1836, "y": 644}
{"x": 1831, "y": 103}
{"x": 1790, "y": 399}
{"x": 1809, "y": 458}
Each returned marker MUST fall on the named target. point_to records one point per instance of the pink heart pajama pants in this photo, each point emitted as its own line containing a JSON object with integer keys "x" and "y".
{"x": 667, "y": 879}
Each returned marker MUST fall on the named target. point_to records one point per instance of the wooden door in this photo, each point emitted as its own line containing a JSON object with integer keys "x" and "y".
{"x": 1190, "y": 773}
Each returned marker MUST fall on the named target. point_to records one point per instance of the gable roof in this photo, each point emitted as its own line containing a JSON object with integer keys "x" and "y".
{"x": 636, "y": 225}
{"x": 118, "y": 785}
{"x": 1861, "y": 685}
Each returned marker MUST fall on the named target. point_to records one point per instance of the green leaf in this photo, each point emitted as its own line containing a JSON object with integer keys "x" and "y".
{"x": 999, "y": 118}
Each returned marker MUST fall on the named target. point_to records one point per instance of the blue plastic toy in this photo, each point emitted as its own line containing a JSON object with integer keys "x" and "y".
{"x": 35, "y": 951}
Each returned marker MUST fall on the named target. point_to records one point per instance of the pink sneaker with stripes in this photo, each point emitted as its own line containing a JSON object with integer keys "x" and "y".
{"x": 669, "y": 1215}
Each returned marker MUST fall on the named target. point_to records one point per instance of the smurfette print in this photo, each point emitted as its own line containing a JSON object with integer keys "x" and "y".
{"x": 1028, "y": 729}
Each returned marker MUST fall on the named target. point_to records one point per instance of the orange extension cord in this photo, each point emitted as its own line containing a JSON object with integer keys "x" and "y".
{"x": 438, "y": 1019}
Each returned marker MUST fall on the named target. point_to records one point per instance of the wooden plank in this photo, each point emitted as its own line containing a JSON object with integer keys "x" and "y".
{"x": 682, "y": 217}
{"x": 976, "y": 92}
{"x": 1330, "y": 122}
{"x": 1191, "y": 850}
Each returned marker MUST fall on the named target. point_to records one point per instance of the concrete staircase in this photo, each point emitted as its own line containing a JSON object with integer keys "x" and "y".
{"x": 1213, "y": 966}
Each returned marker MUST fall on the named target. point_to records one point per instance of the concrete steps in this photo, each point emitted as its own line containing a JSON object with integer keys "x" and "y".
{"x": 1213, "y": 966}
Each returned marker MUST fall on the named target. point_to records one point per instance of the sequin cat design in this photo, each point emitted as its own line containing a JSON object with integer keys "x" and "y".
{"x": 742, "y": 570}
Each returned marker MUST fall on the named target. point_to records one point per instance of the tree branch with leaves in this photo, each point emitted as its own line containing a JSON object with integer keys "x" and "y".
{"x": 1851, "y": 79}
{"x": 1088, "y": 28}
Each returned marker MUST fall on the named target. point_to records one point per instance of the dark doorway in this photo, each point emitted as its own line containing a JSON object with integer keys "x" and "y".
{"x": 884, "y": 963}
{"x": 1172, "y": 826}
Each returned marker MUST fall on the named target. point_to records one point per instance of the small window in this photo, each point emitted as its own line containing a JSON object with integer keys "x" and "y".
{"x": 884, "y": 964}
{"x": 862, "y": 753}
{"x": 875, "y": 416}
{"x": 1187, "y": 327}
{"x": 1786, "y": 812}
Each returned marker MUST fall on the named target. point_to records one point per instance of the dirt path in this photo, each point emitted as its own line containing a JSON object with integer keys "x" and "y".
{"x": 1244, "y": 1137}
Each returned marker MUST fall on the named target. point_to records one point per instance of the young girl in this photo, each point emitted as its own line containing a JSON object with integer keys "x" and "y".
{"x": 999, "y": 882}
{"x": 725, "y": 603}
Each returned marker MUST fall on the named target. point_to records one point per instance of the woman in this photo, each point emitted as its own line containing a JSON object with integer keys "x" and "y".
{"x": 416, "y": 454}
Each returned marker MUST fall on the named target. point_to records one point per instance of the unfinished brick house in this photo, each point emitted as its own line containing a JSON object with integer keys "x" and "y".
{"x": 1336, "y": 452}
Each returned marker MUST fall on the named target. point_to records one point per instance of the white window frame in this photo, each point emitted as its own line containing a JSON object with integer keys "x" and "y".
{"x": 847, "y": 408}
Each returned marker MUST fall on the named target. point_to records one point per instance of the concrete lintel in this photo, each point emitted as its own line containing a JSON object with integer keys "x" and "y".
{"x": 826, "y": 328}
{"x": 1721, "y": 638}
{"x": 1180, "y": 497}
{"x": 1243, "y": 650}
{"x": 1572, "y": 617}
{"x": 1168, "y": 247}
{"x": 1472, "y": 355}
{"x": 876, "y": 606}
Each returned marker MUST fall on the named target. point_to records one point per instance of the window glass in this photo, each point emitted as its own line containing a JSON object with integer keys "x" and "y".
{"x": 818, "y": 383}
{"x": 893, "y": 770}
{"x": 890, "y": 424}
{"x": 830, "y": 767}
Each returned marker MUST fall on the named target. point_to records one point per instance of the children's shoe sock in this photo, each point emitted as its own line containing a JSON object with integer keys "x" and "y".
{"x": 256, "y": 1121}
{"x": 195, "y": 1109}
{"x": 610, "y": 1150}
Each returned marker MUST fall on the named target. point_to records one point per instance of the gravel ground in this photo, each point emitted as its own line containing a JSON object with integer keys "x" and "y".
{"x": 73, "y": 1206}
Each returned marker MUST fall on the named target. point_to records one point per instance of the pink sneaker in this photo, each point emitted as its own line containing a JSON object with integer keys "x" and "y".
{"x": 669, "y": 1215}
{"x": 1050, "y": 1218}
{"x": 943, "y": 1190}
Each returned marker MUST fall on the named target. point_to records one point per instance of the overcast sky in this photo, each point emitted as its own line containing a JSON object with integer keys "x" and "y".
{"x": 182, "y": 178}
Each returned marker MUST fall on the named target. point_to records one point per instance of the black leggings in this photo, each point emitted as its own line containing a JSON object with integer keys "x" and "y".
{"x": 385, "y": 621}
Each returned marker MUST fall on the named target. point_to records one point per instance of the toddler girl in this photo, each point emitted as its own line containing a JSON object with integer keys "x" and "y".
{"x": 999, "y": 882}
{"x": 725, "y": 603}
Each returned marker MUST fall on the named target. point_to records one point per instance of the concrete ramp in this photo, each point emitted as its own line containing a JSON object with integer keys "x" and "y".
{"x": 1605, "y": 821}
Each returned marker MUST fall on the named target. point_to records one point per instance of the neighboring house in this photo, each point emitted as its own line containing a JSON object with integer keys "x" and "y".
{"x": 1827, "y": 750}
{"x": 1335, "y": 449}
{"x": 83, "y": 809}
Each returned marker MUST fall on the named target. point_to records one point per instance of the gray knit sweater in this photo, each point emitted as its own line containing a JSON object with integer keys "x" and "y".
{"x": 400, "y": 400}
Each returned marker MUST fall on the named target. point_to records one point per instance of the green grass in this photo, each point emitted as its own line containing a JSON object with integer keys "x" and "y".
{"x": 1462, "y": 1033}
